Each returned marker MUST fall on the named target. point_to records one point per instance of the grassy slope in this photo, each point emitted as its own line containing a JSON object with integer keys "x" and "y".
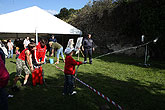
{"x": 120, "y": 78}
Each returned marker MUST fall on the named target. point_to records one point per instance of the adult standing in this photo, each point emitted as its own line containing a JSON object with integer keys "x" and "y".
{"x": 51, "y": 41}
{"x": 10, "y": 49}
{"x": 26, "y": 42}
{"x": 88, "y": 47}
{"x": 59, "y": 48}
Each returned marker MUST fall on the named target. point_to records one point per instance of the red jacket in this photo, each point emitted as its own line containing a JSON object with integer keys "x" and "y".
{"x": 39, "y": 53}
{"x": 70, "y": 64}
{"x": 4, "y": 75}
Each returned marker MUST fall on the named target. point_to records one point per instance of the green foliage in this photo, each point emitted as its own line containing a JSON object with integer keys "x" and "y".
{"x": 121, "y": 22}
{"x": 65, "y": 14}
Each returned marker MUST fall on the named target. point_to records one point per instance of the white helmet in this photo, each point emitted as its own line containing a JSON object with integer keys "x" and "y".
{"x": 68, "y": 50}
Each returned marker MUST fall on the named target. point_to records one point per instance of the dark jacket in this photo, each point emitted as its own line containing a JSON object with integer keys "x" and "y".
{"x": 87, "y": 43}
{"x": 52, "y": 40}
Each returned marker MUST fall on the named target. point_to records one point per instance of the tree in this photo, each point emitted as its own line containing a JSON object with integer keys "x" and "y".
{"x": 64, "y": 13}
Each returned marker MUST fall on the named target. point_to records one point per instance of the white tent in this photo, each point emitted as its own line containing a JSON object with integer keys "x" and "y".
{"x": 34, "y": 20}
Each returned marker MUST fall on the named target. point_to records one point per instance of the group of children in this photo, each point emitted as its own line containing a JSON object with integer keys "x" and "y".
{"x": 30, "y": 61}
{"x": 35, "y": 57}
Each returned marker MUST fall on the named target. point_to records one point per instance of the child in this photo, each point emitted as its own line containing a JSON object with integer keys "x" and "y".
{"x": 69, "y": 71}
{"x": 38, "y": 60}
{"x": 25, "y": 56}
{"x": 17, "y": 52}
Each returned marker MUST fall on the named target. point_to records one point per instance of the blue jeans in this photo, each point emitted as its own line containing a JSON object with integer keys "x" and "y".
{"x": 10, "y": 52}
{"x": 60, "y": 51}
{"x": 3, "y": 99}
{"x": 68, "y": 84}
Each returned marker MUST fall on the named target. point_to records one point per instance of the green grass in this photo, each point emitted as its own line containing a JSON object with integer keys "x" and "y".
{"x": 121, "y": 78}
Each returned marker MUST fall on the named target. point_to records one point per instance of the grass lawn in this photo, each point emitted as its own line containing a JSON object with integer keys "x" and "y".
{"x": 121, "y": 78}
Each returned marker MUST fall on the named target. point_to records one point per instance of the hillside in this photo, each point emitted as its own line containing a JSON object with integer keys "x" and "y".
{"x": 120, "y": 24}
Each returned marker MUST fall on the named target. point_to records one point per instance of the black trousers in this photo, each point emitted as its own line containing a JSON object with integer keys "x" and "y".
{"x": 88, "y": 52}
{"x": 3, "y": 99}
{"x": 68, "y": 84}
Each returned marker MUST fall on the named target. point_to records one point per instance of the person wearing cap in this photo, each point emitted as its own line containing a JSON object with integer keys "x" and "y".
{"x": 88, "y": 47}
{"x": 21, "y": 65}
{"x": 69, "y": 71}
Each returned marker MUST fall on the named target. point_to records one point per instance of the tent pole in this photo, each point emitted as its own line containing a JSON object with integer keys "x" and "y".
{"x": 36, "y": 36}
{"x": 62, "y": 40}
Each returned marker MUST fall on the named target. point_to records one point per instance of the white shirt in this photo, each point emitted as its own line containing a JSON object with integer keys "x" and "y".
{"x": 26, "y": 42}
{"x": 10, "y": 45}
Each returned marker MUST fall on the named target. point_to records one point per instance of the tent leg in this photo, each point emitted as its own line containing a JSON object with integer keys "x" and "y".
{"x": 36, "y": 37}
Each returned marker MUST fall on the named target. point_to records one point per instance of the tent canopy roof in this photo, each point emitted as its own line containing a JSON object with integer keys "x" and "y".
{"x": 34, "y": 19}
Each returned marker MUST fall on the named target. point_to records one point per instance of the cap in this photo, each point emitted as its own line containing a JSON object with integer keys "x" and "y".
{"x": 68, "y": 50}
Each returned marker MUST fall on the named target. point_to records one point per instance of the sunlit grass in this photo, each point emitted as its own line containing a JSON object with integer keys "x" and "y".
{"x": 122, "y": 79}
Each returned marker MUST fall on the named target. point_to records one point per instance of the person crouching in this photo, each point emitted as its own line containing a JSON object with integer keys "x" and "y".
{"x": 21, "y": 63}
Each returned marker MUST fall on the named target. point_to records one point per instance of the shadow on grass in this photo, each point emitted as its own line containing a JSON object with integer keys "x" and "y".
{"x": 131, "y": 94}
{"x": 13, "y": 62}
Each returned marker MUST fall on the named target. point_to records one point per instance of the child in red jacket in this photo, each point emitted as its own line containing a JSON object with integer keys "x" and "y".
{"x": 69, "y": 71}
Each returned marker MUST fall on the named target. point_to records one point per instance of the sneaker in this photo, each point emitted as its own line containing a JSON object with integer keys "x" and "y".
{"x": 73, "y": 93}
{"x": 24, "y": 84}
{"x": 10, "y": 96}
{"x": 85, "y": 62}
{"x": 57, "y": 62}
{"x": 27, "y": 84}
